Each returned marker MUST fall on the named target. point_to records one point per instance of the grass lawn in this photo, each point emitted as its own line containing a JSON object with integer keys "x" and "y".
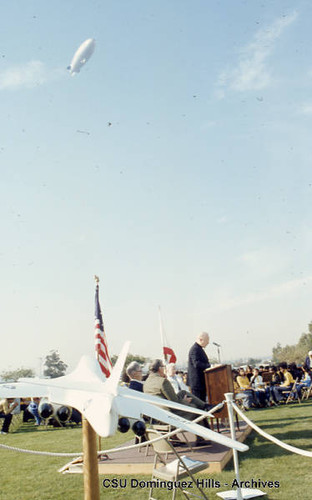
{"x": 28, "y": 477}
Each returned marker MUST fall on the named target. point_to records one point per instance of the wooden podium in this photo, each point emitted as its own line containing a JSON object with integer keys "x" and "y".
{"x": 218, "y": 381}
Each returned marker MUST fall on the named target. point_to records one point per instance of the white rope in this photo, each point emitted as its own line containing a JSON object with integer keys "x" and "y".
{"x": 271, "y": 438}
{"x": 35, "y": 452}
{"x": 112, "y": 450}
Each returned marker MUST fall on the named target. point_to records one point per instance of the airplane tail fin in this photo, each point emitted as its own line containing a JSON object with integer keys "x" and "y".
{"x": 114, "y": 378}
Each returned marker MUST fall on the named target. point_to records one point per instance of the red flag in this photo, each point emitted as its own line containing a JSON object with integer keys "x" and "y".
{"x": 169, "y": 352}
{"x": 100, "y": 338}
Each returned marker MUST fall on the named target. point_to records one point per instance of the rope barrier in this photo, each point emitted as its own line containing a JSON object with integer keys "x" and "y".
{"x": 35, "y": 452}
{"x": 113, "y": 450}
{"x": 269, "y": 437}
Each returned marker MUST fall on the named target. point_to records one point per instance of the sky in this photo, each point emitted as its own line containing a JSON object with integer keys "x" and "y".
{"x": 176, "y": 166}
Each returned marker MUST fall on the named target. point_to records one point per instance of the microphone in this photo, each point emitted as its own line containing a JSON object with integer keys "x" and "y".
{"x": 215, "y": 343}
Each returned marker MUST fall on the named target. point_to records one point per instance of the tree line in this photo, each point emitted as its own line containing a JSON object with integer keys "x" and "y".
{"x": 296, "y": 353}
{"x": 55, "y": 367}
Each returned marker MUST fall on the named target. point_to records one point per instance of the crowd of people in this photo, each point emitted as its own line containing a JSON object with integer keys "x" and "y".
{"x": 257, "y": 387}
{"x": 269, "y": 386}
{"x": 253, "y": 387}
{"x": 32, "y": 409}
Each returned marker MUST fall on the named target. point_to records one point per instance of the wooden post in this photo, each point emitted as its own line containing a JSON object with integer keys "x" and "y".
{"x": 90, "y": 462}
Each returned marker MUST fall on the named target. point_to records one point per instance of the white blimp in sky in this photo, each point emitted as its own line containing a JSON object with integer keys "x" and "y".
{"x": 81, "y": 56}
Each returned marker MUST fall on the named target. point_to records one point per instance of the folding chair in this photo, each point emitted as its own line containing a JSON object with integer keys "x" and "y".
{"x": 17, "y": 421}
{"x": 164, "y": 429}
{"x": 293, "y": 394}
{"x": 176, "y": 470}
{"x": 306, "y": 392}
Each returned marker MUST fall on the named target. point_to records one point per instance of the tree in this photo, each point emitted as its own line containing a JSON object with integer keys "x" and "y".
{"x": 14, "y": 375}
{"x": 55, "y": 367}
{"x": 131, "y": 357}
{"x": 294, "y": 353}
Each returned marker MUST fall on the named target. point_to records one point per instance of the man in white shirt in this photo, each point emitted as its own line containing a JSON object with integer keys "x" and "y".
{"x": 175, "y": 380}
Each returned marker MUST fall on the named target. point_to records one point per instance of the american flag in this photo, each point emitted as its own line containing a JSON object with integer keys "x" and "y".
{"x": 100, "y": 338}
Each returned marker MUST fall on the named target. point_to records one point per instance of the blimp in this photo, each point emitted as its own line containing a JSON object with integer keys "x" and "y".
{"x": 81, "y": 56}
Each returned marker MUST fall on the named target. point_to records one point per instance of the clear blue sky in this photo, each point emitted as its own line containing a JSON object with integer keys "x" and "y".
{"x": 197, "y": 197}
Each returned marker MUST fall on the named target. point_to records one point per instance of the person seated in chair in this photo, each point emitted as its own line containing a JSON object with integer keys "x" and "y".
{"x": 134, "y": 372}
{"x": 158, "y": 385}
{"x": 306, "y": 381}
{"x": 278, "y": 390}
{"x": 245, "y": 389}
{"x": 182, "y": 390}
{"x": 7, "y": 407}
{"x": 175, "y": 380}
{"x": 261, "y": 392}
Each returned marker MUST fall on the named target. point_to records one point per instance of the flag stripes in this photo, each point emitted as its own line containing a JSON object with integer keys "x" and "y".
{"x": 101, "y": 348}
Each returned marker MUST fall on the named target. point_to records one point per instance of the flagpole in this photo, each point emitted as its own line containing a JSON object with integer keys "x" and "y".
{"x": 97, "y": 280}
{"x": 162, "y": 339}
{"x": 90, "y": 459}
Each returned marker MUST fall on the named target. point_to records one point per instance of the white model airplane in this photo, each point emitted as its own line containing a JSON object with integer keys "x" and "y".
{"x": 81, "y": 56}
{"x": 103, "y": 401}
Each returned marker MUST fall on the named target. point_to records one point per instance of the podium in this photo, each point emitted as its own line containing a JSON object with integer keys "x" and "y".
{"x": 219, "y": 380}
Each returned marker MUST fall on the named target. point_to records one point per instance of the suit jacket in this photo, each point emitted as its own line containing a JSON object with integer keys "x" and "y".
{"x": 308, "y": 362}
{"x": 197, "y": 362}
{"x": 136, "y": 385}
{"x": 161, "y": 387}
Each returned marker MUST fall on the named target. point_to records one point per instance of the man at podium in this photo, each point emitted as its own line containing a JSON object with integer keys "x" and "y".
{"x": 198, "y": 362}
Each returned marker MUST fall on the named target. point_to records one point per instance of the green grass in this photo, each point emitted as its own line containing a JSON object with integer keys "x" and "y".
{"x": 29, "y": 477}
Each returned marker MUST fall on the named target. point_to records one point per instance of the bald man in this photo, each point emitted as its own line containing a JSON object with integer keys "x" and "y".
{"x": 198, "y": 362}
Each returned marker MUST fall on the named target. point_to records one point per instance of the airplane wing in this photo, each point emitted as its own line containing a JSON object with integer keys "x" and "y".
{"x": 22, "y": 390}
{"x": 157, "y": 401}
{"x": 136, "y": 407}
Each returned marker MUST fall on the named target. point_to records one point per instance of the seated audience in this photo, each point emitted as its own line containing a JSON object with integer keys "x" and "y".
{"x": 277, "y": 376}
{"x": 295, "y": 371}
{"x": 278, "y": 390}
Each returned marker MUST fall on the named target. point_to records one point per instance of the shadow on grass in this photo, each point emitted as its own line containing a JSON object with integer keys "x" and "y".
{"x": 26, "y": 427}
{"x": 276, "y": 423}
{"x": 260, "y": 447}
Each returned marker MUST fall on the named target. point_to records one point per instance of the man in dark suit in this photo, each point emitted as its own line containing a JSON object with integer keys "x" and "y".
{"x": 198, "y": 362}
{"x": 134, "y": 372}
